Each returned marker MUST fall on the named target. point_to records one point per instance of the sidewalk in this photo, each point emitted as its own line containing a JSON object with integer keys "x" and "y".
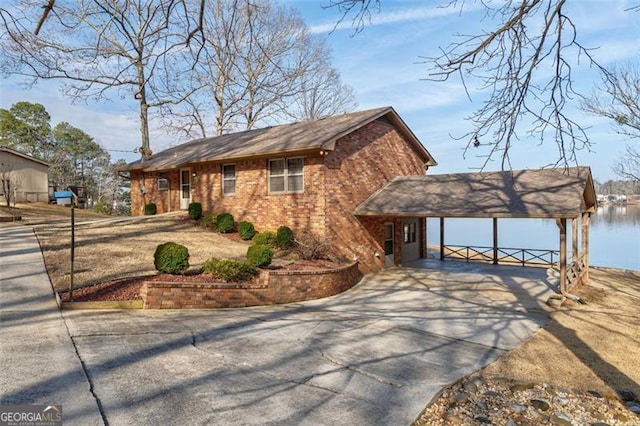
{"x": 39, "y": 361}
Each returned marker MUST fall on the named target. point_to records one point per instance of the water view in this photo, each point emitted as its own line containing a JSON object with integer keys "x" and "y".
{"x": 614, "y": 237}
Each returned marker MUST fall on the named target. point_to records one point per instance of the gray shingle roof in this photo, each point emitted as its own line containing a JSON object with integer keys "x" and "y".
{"x": 544, "y": 193}
{"x": 318, "y": 134}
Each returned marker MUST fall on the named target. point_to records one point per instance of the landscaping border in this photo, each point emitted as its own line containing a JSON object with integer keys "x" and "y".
{"x": 272, "y": 287}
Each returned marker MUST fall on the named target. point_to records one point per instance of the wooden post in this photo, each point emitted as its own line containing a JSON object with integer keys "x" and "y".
{"x": 562, "y": 225}
{"x": 495, "y": 240}
{"x": 574, "y": 239}
{"x": 442, "y": 238}
{"x": 585, "y": 244}
{"x": 74, "y": 199}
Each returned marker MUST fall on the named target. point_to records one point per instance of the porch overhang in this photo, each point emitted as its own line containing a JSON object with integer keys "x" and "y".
{"x": 558, "y": 194}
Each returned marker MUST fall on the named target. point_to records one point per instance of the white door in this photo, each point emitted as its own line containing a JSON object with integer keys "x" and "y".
{"x": 388, "y": 245}
{"x": 185, "y": 188}
{"x": 410, "y": 241}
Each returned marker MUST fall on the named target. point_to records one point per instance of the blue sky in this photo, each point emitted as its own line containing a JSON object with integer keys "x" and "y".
{"x": 382, "y": 64}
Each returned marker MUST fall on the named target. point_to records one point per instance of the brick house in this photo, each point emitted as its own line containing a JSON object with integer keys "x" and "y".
{"x": 309, "y": 176}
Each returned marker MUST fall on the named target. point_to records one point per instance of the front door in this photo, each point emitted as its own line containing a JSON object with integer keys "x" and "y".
{"x": 185, "y": 188}
{"x": 388, "y": 245}
{"x": 410, "y": 241}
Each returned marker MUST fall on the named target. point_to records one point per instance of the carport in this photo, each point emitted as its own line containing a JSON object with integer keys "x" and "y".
{"x": 560, "y": 194}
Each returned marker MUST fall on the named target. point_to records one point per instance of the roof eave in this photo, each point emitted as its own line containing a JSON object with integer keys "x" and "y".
{"x": 220, "y": 159}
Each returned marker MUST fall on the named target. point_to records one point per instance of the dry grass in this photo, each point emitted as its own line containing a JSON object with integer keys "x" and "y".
{"x": 108, "y": 248}
{"x": 592, "y": 347}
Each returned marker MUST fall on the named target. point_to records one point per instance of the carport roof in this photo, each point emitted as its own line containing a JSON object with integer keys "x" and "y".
{"x": 543, "y": 193}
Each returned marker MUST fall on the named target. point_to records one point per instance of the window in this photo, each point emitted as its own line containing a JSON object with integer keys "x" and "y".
{"x": 229, "y": 179}
{"x": 286, "y": 175}
{"x": 409, "y": 232}
{"x": 163, "y": 184}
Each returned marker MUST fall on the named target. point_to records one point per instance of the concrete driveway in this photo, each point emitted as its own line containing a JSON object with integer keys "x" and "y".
{"x": 376, "y": 354}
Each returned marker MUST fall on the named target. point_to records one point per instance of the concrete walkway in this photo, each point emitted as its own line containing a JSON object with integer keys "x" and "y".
{"x": 39, "y": 361}
{"x": 376, "y": 354}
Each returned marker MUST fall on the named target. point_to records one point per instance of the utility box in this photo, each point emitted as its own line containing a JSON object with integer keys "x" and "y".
{"x": 63, "y": 198}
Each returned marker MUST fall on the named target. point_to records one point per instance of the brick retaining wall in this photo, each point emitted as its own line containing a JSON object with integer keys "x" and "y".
{"x": 272, "y": 287}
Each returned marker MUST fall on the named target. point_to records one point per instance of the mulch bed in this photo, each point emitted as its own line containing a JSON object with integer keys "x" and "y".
{"x": 124, "y": 289}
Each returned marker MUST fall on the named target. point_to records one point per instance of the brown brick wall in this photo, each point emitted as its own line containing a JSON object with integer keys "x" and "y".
{"x": 253, "y": 202}
{"x": 165, "y": 200}
{"x": 273, "y": 287}
{"x": 362, "y": 163}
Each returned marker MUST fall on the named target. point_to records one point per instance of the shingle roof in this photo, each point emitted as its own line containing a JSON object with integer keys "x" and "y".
{"x": 23, "y": 155}
{"x": 544, "y": 193}
{"x": 318, "y": 134}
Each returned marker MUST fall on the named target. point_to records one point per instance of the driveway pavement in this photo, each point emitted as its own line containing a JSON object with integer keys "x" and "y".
{"x": 376, "y": 354}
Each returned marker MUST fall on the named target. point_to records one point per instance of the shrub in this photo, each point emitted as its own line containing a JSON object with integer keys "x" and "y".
{"x": 150, "y": 209}
{"x": 246, "y": 230}
{"x": 267, "y": 238}
{"x": 310, "y": 247}
{"x": 208, "y": 221}
{"x": 171, "y": 258}
{"x": 224, "y": 223}
{"x": 259, "y": 255}
{"x": 195, "y": 210}
{"x": 102, "y": 207}
{"x": 228, "y": 269}
{"x": 284, "y": 237}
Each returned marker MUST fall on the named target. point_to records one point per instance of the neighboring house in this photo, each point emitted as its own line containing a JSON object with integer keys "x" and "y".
{"x": 310, "y": 176}
{"x": 23, "y": 176}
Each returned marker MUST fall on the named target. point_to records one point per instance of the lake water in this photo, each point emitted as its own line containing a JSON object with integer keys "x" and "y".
{"x": 614, "y": 235}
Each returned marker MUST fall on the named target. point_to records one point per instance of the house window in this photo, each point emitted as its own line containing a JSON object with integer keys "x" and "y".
{"x": 163, "y": 184}
{"x": 409, "y": 232}
{"x": 286, "y": 175}
{"x": 229, "y": 179}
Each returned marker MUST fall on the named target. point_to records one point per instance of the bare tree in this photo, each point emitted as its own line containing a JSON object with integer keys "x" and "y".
{"x": 257, "y": 62}
{"x": 94, "y": 46}
{"x": 524, "y": 66}
{"x": 9, "y": 182}
{"x": 618, "y": 98}
{"x": 320, "y": 94}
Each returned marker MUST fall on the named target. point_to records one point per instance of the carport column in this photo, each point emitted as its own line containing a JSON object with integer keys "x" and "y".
{"x": 495, "y": 240}
{"x": 562, "y": 225}
{"x": 442, "y": 238}
{"x": 574, "y": 239}
{"x": 585, "y": 245}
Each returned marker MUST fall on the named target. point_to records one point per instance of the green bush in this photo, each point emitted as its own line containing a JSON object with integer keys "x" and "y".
{"x": 195, "y": 210}
{"x": 224, "y": 223}
{"x": 208, "y": 221}
{"x": 246, "y": 230}
{"x": 171, "y": 258}
{"x": 267, "y": 238}
{"x": 229, "y": 270}
{"x": 259, "y": 255}
{"x": 102, "y": 207}
{"x": 284, "y": 237}
{"x": 150, "y": 209}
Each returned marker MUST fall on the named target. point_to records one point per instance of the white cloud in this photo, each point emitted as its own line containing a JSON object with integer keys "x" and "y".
{"x": 386, "y": 17}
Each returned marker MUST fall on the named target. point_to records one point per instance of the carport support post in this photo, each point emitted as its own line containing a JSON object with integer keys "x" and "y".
{"x": 585, "y": 244}
{"x": 574, "y": 239}
{"x": 562, "y": 225}
{"x": 442, "y": 238}
{"x": 495, "y": 240}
